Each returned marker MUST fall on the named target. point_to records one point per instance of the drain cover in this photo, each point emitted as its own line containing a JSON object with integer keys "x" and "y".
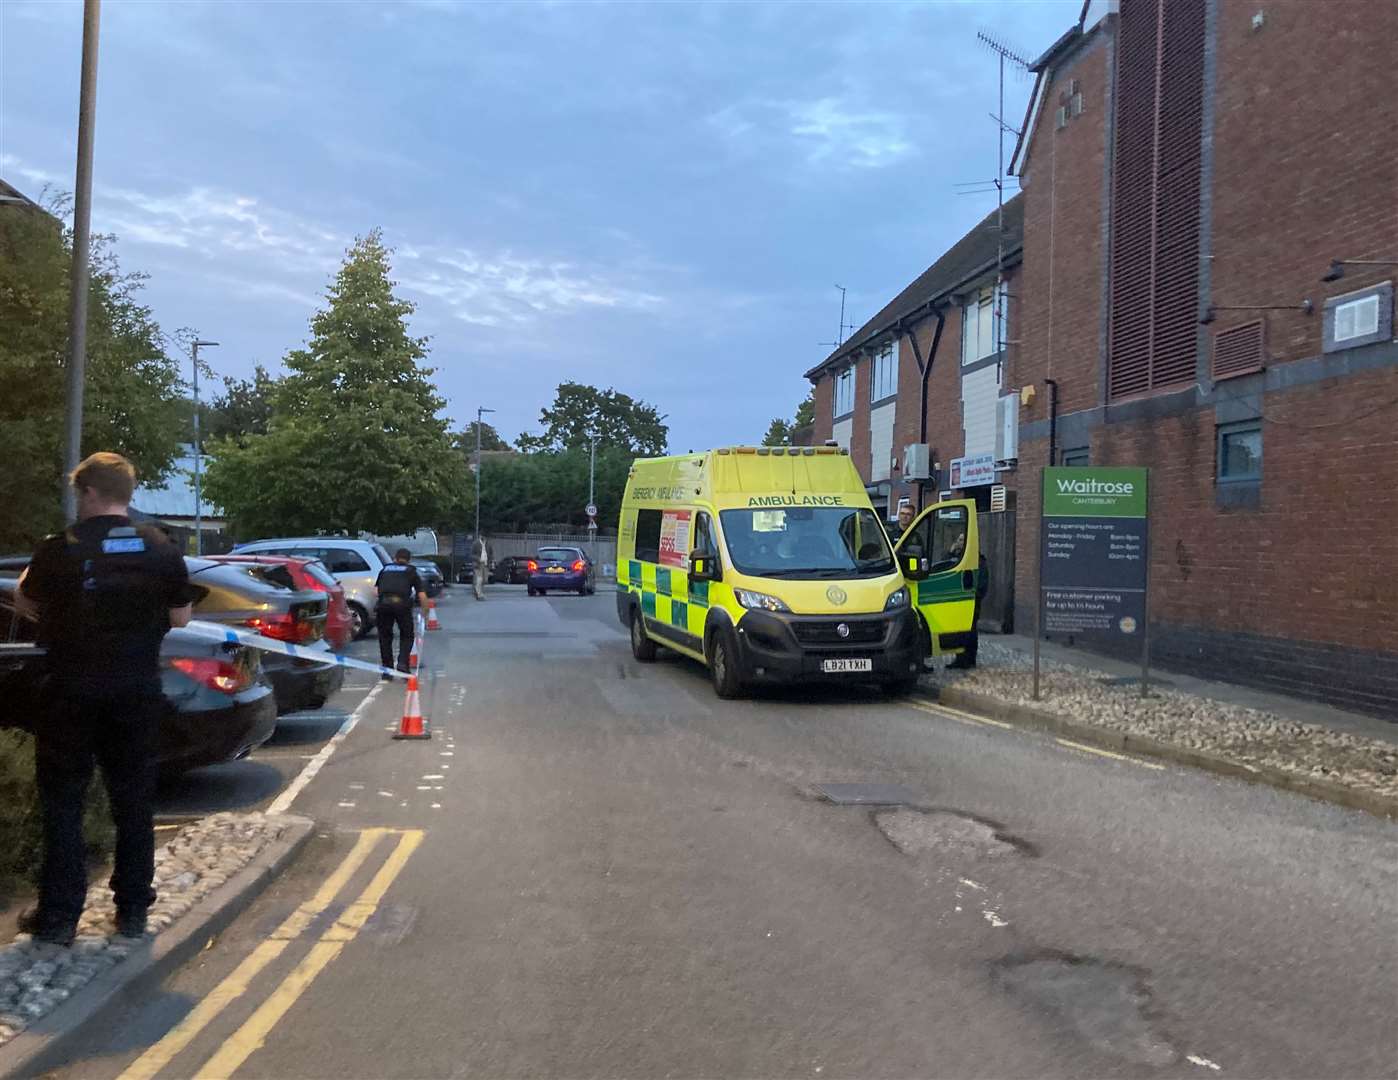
{"x": 869, "y": 794}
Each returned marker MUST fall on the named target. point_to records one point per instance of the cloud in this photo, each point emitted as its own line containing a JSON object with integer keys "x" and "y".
{"x": 828, "y": 131}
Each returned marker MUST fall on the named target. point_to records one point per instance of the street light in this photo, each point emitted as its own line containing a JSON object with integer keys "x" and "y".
{"x": 194, "y": 348}
{"x": 592, "y": 493}
{"x": 479, "y": 414}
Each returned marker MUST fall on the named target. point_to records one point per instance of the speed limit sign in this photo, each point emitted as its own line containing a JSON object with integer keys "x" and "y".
{"x": 590, "y": 510}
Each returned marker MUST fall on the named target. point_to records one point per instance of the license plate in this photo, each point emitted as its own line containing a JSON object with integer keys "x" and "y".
{"x": 554, "y": 570}
{"x": 834, "y": 667}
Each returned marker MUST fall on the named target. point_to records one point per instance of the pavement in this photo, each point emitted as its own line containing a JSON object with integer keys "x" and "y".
{"x": 597, "y": 868}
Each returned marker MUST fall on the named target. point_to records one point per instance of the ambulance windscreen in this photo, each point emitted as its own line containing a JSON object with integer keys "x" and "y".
{"x": 806, "y": 542}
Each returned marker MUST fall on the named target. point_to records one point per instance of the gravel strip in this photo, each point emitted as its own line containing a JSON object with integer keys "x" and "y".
{"x": 36, "y": 977}
{"x": 1245, "y": 735}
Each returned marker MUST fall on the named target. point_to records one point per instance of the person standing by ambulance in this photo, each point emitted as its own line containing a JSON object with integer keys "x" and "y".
{"x": 105, "y": 593}
{"x": 398, "y": 584}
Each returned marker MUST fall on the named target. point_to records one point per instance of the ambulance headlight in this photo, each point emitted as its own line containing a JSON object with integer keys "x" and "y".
{"x": 897, "y": 600}
{"x": 759, "y": 601}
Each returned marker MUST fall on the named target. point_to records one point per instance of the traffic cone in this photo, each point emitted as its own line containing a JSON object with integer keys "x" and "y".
{"x": 432, "y": 623}
{"x": 412, "y": 726}
{"x": 412, "y": 656}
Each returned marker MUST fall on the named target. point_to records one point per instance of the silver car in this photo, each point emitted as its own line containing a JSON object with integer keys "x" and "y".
{"x": 355, "y": 564}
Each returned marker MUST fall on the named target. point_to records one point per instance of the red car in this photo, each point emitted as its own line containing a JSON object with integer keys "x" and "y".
{"x": 310, "y": 574}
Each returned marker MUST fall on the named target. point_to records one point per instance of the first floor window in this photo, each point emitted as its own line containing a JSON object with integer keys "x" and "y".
{"x": 1240, "y": 451}
{"x": 844, "y": 392}
{"x": 983, "y": 324}
{"x": 884, "y": 380}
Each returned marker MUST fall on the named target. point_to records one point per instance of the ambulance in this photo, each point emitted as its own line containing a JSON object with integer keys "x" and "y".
{"x": 769, "y": 565}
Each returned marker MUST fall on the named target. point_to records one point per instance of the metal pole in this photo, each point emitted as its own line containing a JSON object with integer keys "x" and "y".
{"x": 480, "y": 412}
{"x": 591, "y": 496}
{"x": 198, "y": 453}
{"x": 1145, "y": 615}
{"x": 1039, "y": 619}
{"x": 82, "y": 234}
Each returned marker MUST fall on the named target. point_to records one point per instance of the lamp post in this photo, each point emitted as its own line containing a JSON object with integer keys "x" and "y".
{"x": 194, "y": 348}
{"x": 82, "y": 229}
{"x": 592, "y": 493}
{"x": 479, "y": 414}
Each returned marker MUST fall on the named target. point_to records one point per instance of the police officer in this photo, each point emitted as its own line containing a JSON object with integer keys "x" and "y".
{"x": 906, "y": 513}
{"x": 105, "y": 593}
{"x": 398, "y": 583}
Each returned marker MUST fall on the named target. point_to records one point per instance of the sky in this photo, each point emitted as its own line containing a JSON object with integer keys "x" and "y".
{"x": 660, "y": 198}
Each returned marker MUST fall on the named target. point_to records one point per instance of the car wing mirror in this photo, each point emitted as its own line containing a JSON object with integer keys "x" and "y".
{"x": 705, "y": 567}
{"x": 914, "y": 567}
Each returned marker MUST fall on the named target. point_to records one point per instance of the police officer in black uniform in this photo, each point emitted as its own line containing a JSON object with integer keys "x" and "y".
{"x": 105, "y": 593}
{"x": 398, "y": 585}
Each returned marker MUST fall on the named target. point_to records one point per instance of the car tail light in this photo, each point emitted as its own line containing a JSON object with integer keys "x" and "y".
{"x": 578, "y": 567}
{"x": 283, "y": 628}
{"x": 220, "y": 675}
{"x": 533, "y": 565}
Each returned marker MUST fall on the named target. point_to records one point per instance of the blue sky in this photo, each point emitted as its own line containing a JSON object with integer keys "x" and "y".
{"x": 656, "y": 197}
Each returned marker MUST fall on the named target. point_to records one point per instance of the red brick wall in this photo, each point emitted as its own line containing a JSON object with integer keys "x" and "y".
{"x": 824, "y": 402}
{"x": 1060, "y": 285}
{"x": 859, "y": 429}
{"x": 1305, "y": 159}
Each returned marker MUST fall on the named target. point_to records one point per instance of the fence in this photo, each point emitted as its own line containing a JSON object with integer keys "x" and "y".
{"x": 603, "y": 551}
{"x": 997, "y": 536}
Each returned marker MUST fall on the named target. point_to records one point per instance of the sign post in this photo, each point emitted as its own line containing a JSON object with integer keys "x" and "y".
{"x": 1094, "y": 557}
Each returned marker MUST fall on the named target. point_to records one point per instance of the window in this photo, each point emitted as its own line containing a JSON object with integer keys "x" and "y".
{"x": 982, "y": 334}
{"x": 1240, "y": 452}
{"x": 339, "y": 560}
{"x": 1358, "y": 318}
{"x": 1078, "y": 457}
{"x": 884, "y": 380}
{"x": 648, "y": 535}
{"x": 941, "y": 537}
{"x": 844, "y": 392}
{"x": 704, "y": 535}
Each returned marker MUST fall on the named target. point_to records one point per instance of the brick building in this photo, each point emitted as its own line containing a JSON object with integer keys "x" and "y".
{"x": 1190, "y": 170}
{"x": 1198, "y": 277}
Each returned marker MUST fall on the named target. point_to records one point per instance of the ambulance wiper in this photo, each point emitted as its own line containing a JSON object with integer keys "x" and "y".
{"x": 808, "y": 571}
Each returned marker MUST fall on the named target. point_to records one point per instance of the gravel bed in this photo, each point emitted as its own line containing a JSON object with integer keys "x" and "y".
{"x": 1245, "y": 735}
{"x": 36, "y": 977}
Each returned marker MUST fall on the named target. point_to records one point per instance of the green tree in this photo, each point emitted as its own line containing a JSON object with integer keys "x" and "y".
{"x": 547, "y": 488}
{"x": 618, "y": 420}
{"x": 465, "y": 439}
{"x": 243, "y": 409}
{"x": 783, "y": 432}
{"x": 132, "y": 387}
{"x": 355, "y": 442}
{"x": 778, "y": 433}
{"x": 805, "y": 413}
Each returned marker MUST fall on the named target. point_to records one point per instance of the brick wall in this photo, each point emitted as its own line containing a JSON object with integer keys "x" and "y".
{"x": 1305, "y": 159}
{"x": 859, "y": 430}
{"x": 824, "y": 402}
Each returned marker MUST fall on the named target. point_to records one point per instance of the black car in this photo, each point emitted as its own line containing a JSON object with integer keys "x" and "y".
{"x": 220, "y": 705}
{"x": 264, "y": 599}
{"x": 511, "y": 570}
{"x": 432, "y": 580}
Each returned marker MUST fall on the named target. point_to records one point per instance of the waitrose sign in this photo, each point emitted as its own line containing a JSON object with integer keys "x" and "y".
{"x": 1079, "y": 492}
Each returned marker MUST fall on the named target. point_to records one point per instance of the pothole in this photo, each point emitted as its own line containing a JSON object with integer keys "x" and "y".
{"x": 944, "y": 832}
{"x": 1106, "y": 1005}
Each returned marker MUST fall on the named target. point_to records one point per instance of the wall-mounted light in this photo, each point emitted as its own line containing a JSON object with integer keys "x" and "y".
{"x": 1306, "y": 307}
{"x": 1337, "y": 266}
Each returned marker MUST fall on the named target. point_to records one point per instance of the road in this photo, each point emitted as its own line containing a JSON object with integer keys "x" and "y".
{"x": 597, "y": 868}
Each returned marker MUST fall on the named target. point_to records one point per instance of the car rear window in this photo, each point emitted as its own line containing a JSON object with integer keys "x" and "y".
{"x": 560, "y": 554}
{"x": 318, "y": 571}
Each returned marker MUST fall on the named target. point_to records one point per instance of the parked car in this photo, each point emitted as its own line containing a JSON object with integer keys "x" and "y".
{"x": 431, "y": 576}
{"x": 261, "y": 598}
{"x": 220, "y": 706}
{"x": 355, "y": 564}
{"x": 310, "y": 574}
{"x": 511, "y": 570}
{"x": 554, "y": 568}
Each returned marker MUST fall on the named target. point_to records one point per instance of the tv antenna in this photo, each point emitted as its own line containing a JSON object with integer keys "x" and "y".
{"x": 840, "y": 335}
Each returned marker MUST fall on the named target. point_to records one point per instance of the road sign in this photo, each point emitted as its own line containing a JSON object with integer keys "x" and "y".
{"x": 590, "y": 510}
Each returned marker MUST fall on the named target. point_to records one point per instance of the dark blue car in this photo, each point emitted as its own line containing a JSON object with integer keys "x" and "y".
{"x": 561, "y": 568}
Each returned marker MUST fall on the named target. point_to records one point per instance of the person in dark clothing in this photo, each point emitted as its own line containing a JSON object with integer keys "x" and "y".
{"x": 904, "y": 520}
{"x": 398, "y": 585}
{"x": 105, "y": 593}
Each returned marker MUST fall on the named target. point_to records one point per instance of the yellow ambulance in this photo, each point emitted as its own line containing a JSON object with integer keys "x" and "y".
{"x": 768, "y": 564}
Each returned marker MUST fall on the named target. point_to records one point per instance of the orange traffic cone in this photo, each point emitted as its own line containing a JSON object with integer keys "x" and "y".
{"x": 412, "y": 656}
{"x": 432, "y": 623}
{"x": 412, "y": 726}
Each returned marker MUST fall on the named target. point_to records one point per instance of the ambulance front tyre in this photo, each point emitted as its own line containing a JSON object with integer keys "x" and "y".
{"x": 642, "y": 648}
{"x": 723, "y": 665}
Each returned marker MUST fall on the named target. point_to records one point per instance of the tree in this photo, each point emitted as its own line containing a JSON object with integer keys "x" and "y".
{"x": 465, "y": 439}
{"x": 549, "y": 487}
{"x": 783, "y": 432}
{"x": 805, "y": 413}
{"x": 132, "y": 387}
{"x": 618, "y": 421}
{"x": 244, "y": 408}
{"x": 354, "y": 442}
{"x": 778, "y": 433}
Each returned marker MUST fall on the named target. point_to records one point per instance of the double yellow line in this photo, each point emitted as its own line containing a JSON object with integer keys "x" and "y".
{"x": 239, "y": 1046}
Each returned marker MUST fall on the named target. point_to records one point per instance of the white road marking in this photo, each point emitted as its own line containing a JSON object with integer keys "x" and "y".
{"x": 434, "y": 776}
{"x": 386, "y": 794}
{"x": 436, "y": 806}
{"x": 993, "y": 918}
{"x": 346, "y": 805}
{"x": 972, "y": 884}
{"x": 282, "y": 803}
{"x": 1195, "y": 1059}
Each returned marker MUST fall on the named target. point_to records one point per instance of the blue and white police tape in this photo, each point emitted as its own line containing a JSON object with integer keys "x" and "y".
{"x": 220, "y": 632}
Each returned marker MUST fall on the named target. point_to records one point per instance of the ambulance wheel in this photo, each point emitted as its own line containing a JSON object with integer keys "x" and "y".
{"x": 723, "y": 667}
{"x": 642, "y": 648}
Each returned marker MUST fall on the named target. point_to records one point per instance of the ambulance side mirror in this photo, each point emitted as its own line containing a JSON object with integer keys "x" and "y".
{"x": 704, "y": 566}
{"x": 914, "y": 567}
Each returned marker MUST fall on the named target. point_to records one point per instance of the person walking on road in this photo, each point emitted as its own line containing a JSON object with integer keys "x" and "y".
{"x": 104, "y": 593}
{"x": 398, "y": 585}
{"x": 482, "y": 567}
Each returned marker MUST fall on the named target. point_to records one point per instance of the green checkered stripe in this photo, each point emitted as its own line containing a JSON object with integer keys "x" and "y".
{"x": 668, "y": 595}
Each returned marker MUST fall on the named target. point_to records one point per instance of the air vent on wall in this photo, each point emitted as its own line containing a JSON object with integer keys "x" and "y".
{"x": 1239, "y": 350}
